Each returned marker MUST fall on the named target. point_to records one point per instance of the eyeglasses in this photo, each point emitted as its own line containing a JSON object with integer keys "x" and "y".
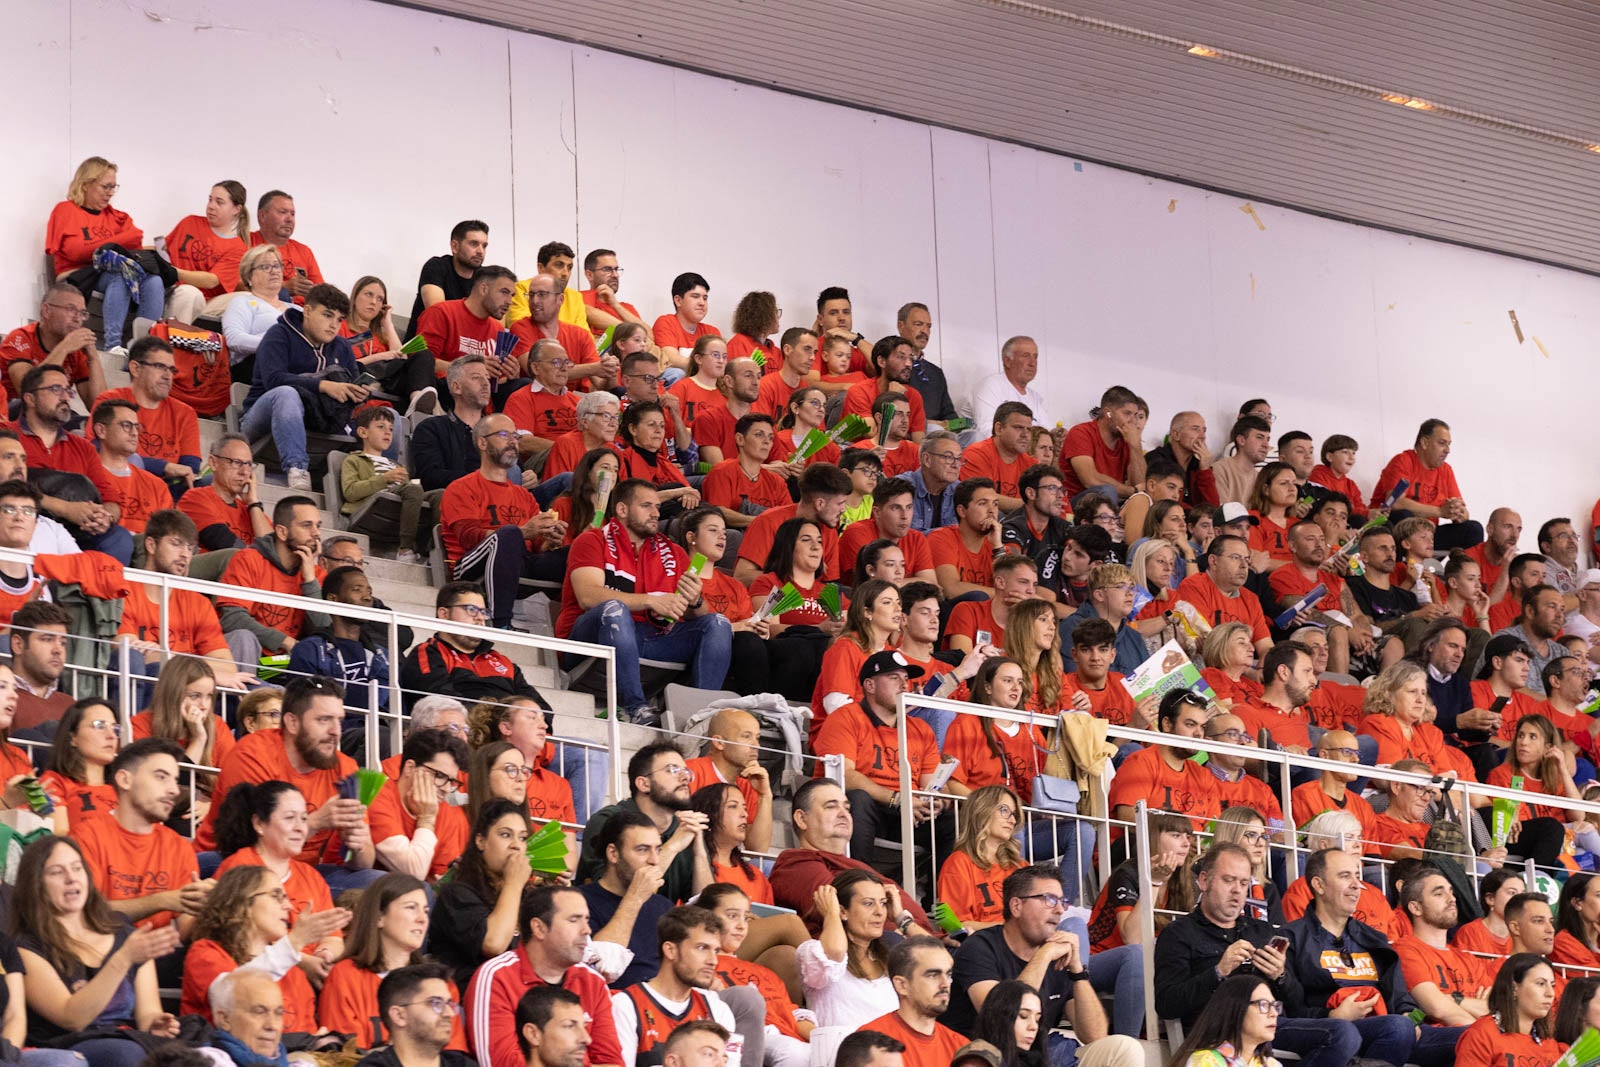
{"x": 70, "y": 311}
{"x": 102, "y": 724}
{"x": 359, "y": 564}
{"x": 277, "y": 895}
{"x": 270, "y": 268}
{"x": 109, "y": 187}
{"x": 502, "y": 435}
{"x": 268, "y": 716}
{"x": 1341, "y": 753}
{"x": 532, "y": 293}
{"x": 127, "y": 426}
{"x": 11, "y": 511}
{"x": 1049, "y": 487}
{"x": 516, "y": 773}
{"x": 159, "y": 368}
{"x": 437, "y": 1005}
{"x": 1269, "y": 1007}
{"x": 607, "y": 416}
{"x": 1007, "y": 810}
{"x": 609, "y": 270}
{"x": 1052, "y": 901}
{"x": 54, "y": 390}
{"x": 474, "y": 611}
{"x": 945, "y": 457}
{"x": 447, "y": 783}
{"x": 1253, "y": 837}
{"x": 229, "y": 461}
{"x": 1237, "y": 737}
{"x": 679, "y": 771}
{"x": 1235, "y": 558}
{"x": 648, "y": 379}
{"x": 558, "y": 363}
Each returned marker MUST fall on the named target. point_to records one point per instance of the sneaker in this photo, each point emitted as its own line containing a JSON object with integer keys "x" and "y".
{"x": 424, "y": 402}
{"x": 118, "y": 352}
{"x": 299, "y": 478}
{"x": 405, "y": 555}
{"x": 643, "y": 715}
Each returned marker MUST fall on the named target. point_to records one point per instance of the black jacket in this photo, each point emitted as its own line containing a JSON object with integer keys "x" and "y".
{"x": 1309, "y": 940}
{"x": 1186, "y": 957}
{"x": 442, "y": 450}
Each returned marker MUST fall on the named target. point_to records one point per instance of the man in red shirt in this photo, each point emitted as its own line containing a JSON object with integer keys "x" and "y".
{"x": 169, "y": 429}
{"x": 1004, "y": 455}
{"x": 1448, "y": 984}
{"x": 545, "y": 408}
{"x": 493, "y": 530}
{"x": 1499, "y": 548}
{"x": 1218, "y": 593}
{"x": 824, "y": 490}
{"x": 892, "y": 509}
{"x": 1433, "y": 492}
{"x": 415, "y": 828}
{"x": 603, "y": 308}
{"x": 115, "y": 426}
{"x": 275, "y": 216}
{"x": 49, "y": 447}
{"x": 1163, "y": 775}
{"x": 891, "y": 363}
{"x": 58, "y": 339}
{"x": 677, "y": 333}
{"x": 629, "y": 586}
{"x": 835, "y": 313}
{"x": 920, "y": 969}
{"x": 1304, "y": 573}
{"x": 471, "y": 327}
{"x": 1104, "y": 454}
{"x": 963, "y": 554}
{"x": 1287, "y": 677}
{"x": 744, "y": 486}
{"x": 799, "y": 355}
{"x": 228, "y": 513}
{"x": 713, "y": 426}
{"x": 1015, "y": 580}
{"x": 284, "y": 561}
{"x": 543, "y": 322}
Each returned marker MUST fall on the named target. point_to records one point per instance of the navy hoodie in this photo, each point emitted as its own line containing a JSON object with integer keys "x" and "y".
{"x": 285, "y": 356}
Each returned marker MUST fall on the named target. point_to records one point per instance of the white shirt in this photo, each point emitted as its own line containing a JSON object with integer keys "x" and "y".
{"x": 838, "y": 997}
{"x": 624, "y": 1014}
{"x": 996, "y": 390}
{"x": 245, "y": 323}
{"x": 1579, "y": 626}
{"x": 52, "y": 539}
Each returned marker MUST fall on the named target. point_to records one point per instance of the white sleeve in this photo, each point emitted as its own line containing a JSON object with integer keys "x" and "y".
{"x": 627, "y": 1023}
{"x": 817, "y": 971}
{"x": 411, "y": 856}
{"x": 832, "y": 702}
{"x": 608, "y": 958}
{"x": 984, "y": 400}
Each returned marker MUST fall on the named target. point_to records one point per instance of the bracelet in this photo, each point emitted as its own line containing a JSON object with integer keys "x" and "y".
{"x": 894, "y": 799}
{"x": 1078, "y": 976}
{"x": 256, "y": 504}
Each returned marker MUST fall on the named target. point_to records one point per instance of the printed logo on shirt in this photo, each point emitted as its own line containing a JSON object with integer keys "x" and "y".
{"x": 1360, "y": 967}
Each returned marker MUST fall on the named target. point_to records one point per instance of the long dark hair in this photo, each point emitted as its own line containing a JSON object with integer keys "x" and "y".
{"x": 31, "y": 912}
{"x": 997, "y": 1022}
{"x": 1223, "y": 1019}
{"x": 65, "y": 759}
{"x": 708, "y": 801}
{"x": 245, "y": 803}
{"x": 582, "y": 493}
{"x": 363, "y": 942}
{"x": 1572, "y": 1016}
{"x": 981, "y": 691}
{"x": 471, "y": 871}
{"x": 1567, "y": 917}
{"x": 780, "y": 560}
{"x": 1502, "y": 999}
{"x": 846, "y": 884}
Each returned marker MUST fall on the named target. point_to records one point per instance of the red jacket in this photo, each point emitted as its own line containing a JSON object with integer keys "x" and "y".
{"x": 799, "y": 872}
{"x": 491, "y": 1010}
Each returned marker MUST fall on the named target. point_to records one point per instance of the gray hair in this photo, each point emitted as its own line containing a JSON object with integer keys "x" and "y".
{"x": 594, "y": 403}
{"x": 458, "y": 368}
{"x": 228, "y": 438}
{"x": 430, "y": 709}
{"x": 934, "y": 437}
{"x": 540, "y": 345}
{"x": 338, "y": 539}
{"x": 1332, "y": 829}
{"x": 1011, "y": 342}
{"x": 222, "y": 994}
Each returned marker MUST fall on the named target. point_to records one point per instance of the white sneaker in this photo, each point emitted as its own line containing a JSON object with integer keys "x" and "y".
{"x": 299, "y": 478}
{"x": 424, "y": 401}
{"x": 405, "y": 555}
{"x": 118, "y": 352}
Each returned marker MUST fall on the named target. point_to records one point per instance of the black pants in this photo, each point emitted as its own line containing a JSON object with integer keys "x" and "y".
{"x": 500, "y": 561}
{"x": 795, "y": 657}
{"x": 403, "y": 376}
{"x": 874, "y": 820}
{"x": 1539, "y": 840}
{"x": 750, "y": 671}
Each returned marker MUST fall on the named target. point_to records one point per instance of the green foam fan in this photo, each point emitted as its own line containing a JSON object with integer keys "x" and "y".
{"x": 369, "y": 784}
{"x": 417, "y": 344}
{"x": 957, "y": 424}
{"x": 547, "y": 849}
{"x": 885, "y": 417}
{"x": 946, "y": 918}
{"x": 1585, "y": 1050}
{"x": 813, "y": 442}
{"x": 787, "y": 599}
{"x": 850, "y": 429}
{"x": 38, "y": 800}
{"x": 829, "y": 599}
{"x": 605, "y": 340}
{"x": 273, "y": 665}
{"x": 760, "y": 357}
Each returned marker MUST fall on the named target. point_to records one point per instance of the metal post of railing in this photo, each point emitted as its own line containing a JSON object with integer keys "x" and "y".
{"x": 374, "y": 757}
{"x": 374, "y": 753}
{"x": 908, "y": 833}
{"x": 125, "y": 699}
{"x": 1147, "y": 916}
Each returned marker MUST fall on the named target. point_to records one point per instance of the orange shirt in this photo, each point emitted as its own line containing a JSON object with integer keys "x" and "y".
{"x": 772, "y": 398}
{"x": 126, "y": 865}
{"x": 1250, "y": 792}
{"x": 143, "y": 723}
{"x": 206, "y": 508}
{"x": 1084, "y": 440}
{"x": 695, "y": 399}
{"x": 703, "y": 771}
{"x": 192, "y": 625}
{"x": 1216, "y": 608}
{"x": 1336, "y": 706}
{"x": 1373, "y": 909}
{"x": 1483, "y": 696}
{"x": 207, "y": 961}
{"x": 751, "y": 882}
{"x": 80, "y": 801}
{"x": 1483, "y": 1045}
{"x": 1113, "y": 702}
{"x": 143, "y": 494}
{"x": 263, "y": 757}
{"x": 726, "y": 596}
{"x": 1021, "y": 759}
{"x": 452, "y": 331}
{"x": 193, "y": 246}
{"x": 543, "y": 413}
{"x": 839, "y": 674}
{"x": 249, "y": 569}
{"x": 1569, "y": 950}
{"x": 862, "y": 399}
{"x": 388, "y": 818}
{"x": 875, "y": 747}
{"x": 348, "y": 1004}
{"x": 741, "y": 346}
{"x": 1270, "y": 537}
{"x": 1191, "y": 789}
{"x": 780, "y": 1009}
{"x": 73, "y": 233}
{"x": 1290, "y": 583}
{"x": 784, "y": 445}
{"x": 1504, "y": 612}
{"x": 1227, "y": 689}
{"x": 728, "y": 486}
{"x": 1431, "y": 487}
{"x": 167, "y": 431}
{"x": 1476, "y": 937}
{"x": 861, "y": 533}
{"x": 1286, "y": 728}
{"x": 972, "y": 892}
{"x": 1389, "y": 832}
{"x": 564, "y": 453}
{"x": 983, "y": 460}
{"x": 667, "y": 330}
{"x": 473, "y": 507}
{"x": 948, "y": 549}
{"x": 1452, "y": 970}
{"x": 757, "y": 541}
{"x": 1310, "y": 800}
{"x": 307, "y": 890}
{"x": 970, "y": 616}
{"x": 22, "y": 345}
{"x": 922, "y": 1050}
{"x": 549, "y": 797}
{"x": 1502, "y": 775}
{"x": 1426, "y": 743}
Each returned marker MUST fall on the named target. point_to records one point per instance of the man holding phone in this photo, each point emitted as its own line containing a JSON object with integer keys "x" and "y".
{"x": 275, "y": 215}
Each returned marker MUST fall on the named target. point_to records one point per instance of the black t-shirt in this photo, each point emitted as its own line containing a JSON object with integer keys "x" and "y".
{"x": 1382, "y": 606}
{"x": 646, "y": 948}
{"x": 1044, "y": 549}
{"x": 440, "y": 271}
{"x": 460, "y": 923}
{"x": 985, "y": 957}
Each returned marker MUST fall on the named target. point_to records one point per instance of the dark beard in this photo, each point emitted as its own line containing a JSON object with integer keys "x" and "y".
{"x": 314, "y": 757}
{"x": 668, "y": 800}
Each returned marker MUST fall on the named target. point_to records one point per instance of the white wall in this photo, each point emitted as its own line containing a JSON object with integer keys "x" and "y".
{"x": 389, "y": 125}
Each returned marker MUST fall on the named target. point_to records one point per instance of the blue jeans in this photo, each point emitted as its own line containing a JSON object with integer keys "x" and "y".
{"x": 110, "y": 1052}
{"x": 281, "y": 413}
{"x": 51, "y": 1057}
{"x": 1120, "y": 972}
{"x": 547, "y": 491}
{"x": 115, "y": 297}
{"x": 938, "y": 719}
{"x": 116, "y": 542}
{"x": 704, "y": 642}
{"x": 340, "y": 878}
{"x": 1335, "y": 1042}
{"x": 587, "y": 771}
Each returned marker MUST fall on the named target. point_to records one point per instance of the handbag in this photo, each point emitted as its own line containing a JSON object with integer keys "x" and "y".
{"x": 1057, "y": 795}
{"x": 324, "y": 414}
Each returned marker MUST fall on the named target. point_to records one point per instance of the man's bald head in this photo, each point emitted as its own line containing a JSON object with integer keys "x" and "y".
{"x": 1181, "y": 419}
{"x": 1231, "y": 729}
{"x": 1340, "y": 745}
{"x": 735, "y": 734}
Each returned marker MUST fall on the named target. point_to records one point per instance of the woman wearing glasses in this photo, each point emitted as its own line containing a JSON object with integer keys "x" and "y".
{"x": 1246, "y": 828}
{"x": 986, "y": 851}
{"x": 386, "y": 932}
{"x": 254, "y": 308}
{"x": 86, "y": 742}
{"x": 476, "y": 912}
{"x": 246, "y": 920}
{"x": 1519, "y": 1028}
{"x": 807, "y": 410}
{"x": 83, "y": 222}
{"x": 1235, "y": 1030}
{"x": 524, "y": 774}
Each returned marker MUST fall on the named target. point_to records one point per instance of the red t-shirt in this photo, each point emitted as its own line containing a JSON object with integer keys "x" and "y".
{"x": 473, "y": 507}
{"x": 862, "y": 400}
{"x": 758, "y": 536}
{"x": 901, "y": 459}
{"x": 1388, "y": 832}
{"x": 387, "y": 818}
{"x": 262, "y": 757}
{"x": 1323, "y": 475}
{"x": 451, "y": 331}
{"x": 564, "y": 454}
{"x": 23, "y": 346}
{"x": 970, "y": 616}
{"x": 1286, "y": 728}
{"x": 1248, "y": 791}
{"x": 1490, "y": 572}
{"x": 1216, "y": 608}
{"x": 972, "y": 892}
{"x": 577, "y": 341}
{"x": 1452, "y": 970}
{"x": 948, "y": 549}
{"x": 167, "y": 431}
{"x": 1270, "y": 537}
{"x": 192, "y": 625}
{"x": 874, "y": 747}
{"x": 1113, "y": 703}
{"x": 983, "y": 460}
{"x": 143, "y": 494}
{"x": 695, "y": 399}
{"x": 73, "y": 233}
{"x": 922, "y": 1050}
{"x": 193, "y": 246}
{"x": 206, "y": 508}
{"x": 809, "y": 613}
{"x": 207, "y": 961}
{"x": 1022, "y": 757}
{"x": 126, "y": 866}
{"x": 784, "y": 444}
{"x": 249, "y": 569}
{"x": 773, "y": 396}
{"x": 862, "y": 532}
{"x": 703, "y": 771}
{"x": 541, "y": 412}
{"x": 1483, "y": 1045}
{"x": 727, "y": 486}
{"x": 647, "y": 573}
{"x": 1227, "y": 689}
{"x": 1431, "y": 487}
{"x": 295, "y": 258}
{"x": 70, "y": 453}
{"x": 1310, "y": 800}
{"x": 1290, "y": 583}
{"x": 726, "y": 596}
{"x": 668, "y": 331}
{"x": 713, "y": 428}
{"x": 1084, "y": 440}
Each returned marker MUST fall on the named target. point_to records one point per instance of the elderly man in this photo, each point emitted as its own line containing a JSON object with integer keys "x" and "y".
{"x": 247, "y": 1018}
{"x": 1186, "y": 447}
{"x": 1019, "y": 365}
{"x": 546, "y": 408}
{"x": 933, "y": 485}
{"x": 59, "y": 339}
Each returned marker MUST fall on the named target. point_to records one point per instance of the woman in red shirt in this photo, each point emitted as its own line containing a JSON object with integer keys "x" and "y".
{"x": 1489, "y": 936}
{"x": 206, "y": 250}
{"x": 1519, "y": 1028}
{"x": 596, "y": 474}
{"x": 993, "y": 751}
{"x": 807, "y": 411}
{"x": 755, "y": 318}
{"x": 986, "y": 851}
{"x": 871, "y": 625}
{"x": 705, "y": 531}
{"x": 641, "y": 442}
{"x": 86, "y": 742}
{"x": 1228, "y": 653}
{"x": 1033, "y": 639}
{"x": 800, "y": 636}
{"x": 727, "y": 822}
{"x": 83, "y": 222}
{"x": 1271, "y": 501}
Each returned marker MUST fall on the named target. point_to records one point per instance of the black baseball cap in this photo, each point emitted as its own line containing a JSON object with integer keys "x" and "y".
{"x": 884, "y": 662}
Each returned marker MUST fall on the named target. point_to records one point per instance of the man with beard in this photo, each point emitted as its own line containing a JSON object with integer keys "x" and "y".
{"x": 658, "y": 784}
{"x": 715, "y": 426}
{"x": 130, "y": 852}
{"x": 442, "y": 448}
{"x": 1218, "y": 592}
{"x": 304, "y": 752}
{"x": 1163, "y": 775}
{"x": 169, "y": 429}
{"x": 450, "y": 277}
{"x": 553, "y": 929}
{"x": 1286, "y": 678}
{"x": 284, "y": 561}
{"x": 492, "y": 527}
{"x": 627, "y": 901}
{"x": 416, "y": 1005}
{"x": 914, "y": 327}
{"x": 50, "y": 448}
{"x": 646, "y": 1013}
{"x": 1235, "y": 473}
{"x": 1497, "y": 551}
{"x": 891, "y": 362}
{"x": 1544, "y": 614}
{"x": 471, "y": 327}
{"x": 38, "y": 644}
{"x": 920, "y": 969}
{"x": 630, "y": 587}
{"x": 1449, "y": 984}
{"x": 554, "y": 262}
{"x": 546, "y": 321}
{"x": 1309, "y": 546}
{"x": 49, "y": 536}
{"x": 602, "y": 308}
{"x": 551, "y": 1028}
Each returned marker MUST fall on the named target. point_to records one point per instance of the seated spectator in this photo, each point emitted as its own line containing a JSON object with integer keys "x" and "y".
{"x": 245, "y": 923}
{"x": 471, "y": 327}
{"x": 1115, "y": 919}
{"x": 183, "y": 711}
{"x": 914, "y": 325}
{"x": 385, "y": 937}
{"x": 476, "y": 914}
{"x": 891, "y": 367}
{"x": 985, "y": 853}
{"x": 602, "y": 308}
{"x": 293, "y": 387}
{"x": 1235, "y": 472}
{"x": 1432, "y": 493}
{"x": 66, "y": 469}
{"x": 746, "y": 485}
{"x": 1239, "y": 1025}
{"x": 845, "y": 972}
{"x": 823, "y": 828}
{"x": 804, "y": 411}
{"x": 1163, "y": 484}
{"x": 15, "y": 763}
{"x": 553, "y": 929}
{"x": 1519, "y": 1026}
{"x": 1002, "y": 457}
{"x": 228, "y": 513}
{"x": 1498, "y": 549}
{"x": 1536, "y": 758}
{"x": 247, "y": 1014}
{"x": 450, "y": 277}
{"x": 78, "y": 226}
{"x": 698, "y": 391}
{"x": 713, "y": 427}
{"x": 1154, "y": 566}
{"x": 868, "y": 1048}
{"x": 275, "y": 217}
{"x": 788, "y": 1028}
{"x": 519, "y": 541}
{"x": 343, "y": 550}
{"x": 625, "y": 898}
{"x": 1531, "y": 925}
{"x": 1034, "y": 641}
{"x": 130, "y": 852}
{"x": 1333, "y": 474}
{"x": 1219, "y": 595}
{"x": 933, "y": 484}
{"x": 1097, "y": 510}
{"x": 443, "y": 448}
{"x": 47, "y": 535}
{"x": 648, "y": 1012}
{"x": 1093, "y": 687}
{"x": 1287, "y": 677}
{"x": 1014, "y": 582}
{"x": 415, "y": 828}
{"x": 1104, "y": 454}
{"x": 919, "y": 969}
{"x": 732, "y": 757}
{"x": 1251, "y": 830}
{"x": 1110, "y": 601}
{"x": 1578, "y": 924}
{"x": 284, "y": 561}
{"x": 1396, "y": 705}
{"x": 86, "y": 742}
{"x": 866, "y": 471}
{"x": 964, "y": 554}
{"x": 206, "y": 250}
{"x": 375, "y": 343}
{"x": 870, "y": 625}
{"x": 1303, "y": 572}
{"x": 677, "y": 333}
{"x": 838, "y": 357}
{"x": 1330, "y": 932}
{"x": 726, "y": 837}
{"x": 260, "y": 710}
{"x": 115, "y": 428}
{"x": 1489, "y": 936}
{"x": 426, "y": 1032}
{"x": 552, "y": 1028}
{"x": 546, "y": 408}
{"x": 755, "y": 319}
{"x": 546, "y": 320}
{"x": 996, "y": 751}
{"x": 1330, "y": 790}
{"x": 1566, "y": 683}
{"x": 1162, "y": 775}
{"x": 38, "y": 642}
{"x": 1186, "y": 447}
{"x": 58, "y": 339}
{"x": 1037, "y": 529}
{"x": 785, "y": 375}
{"x": 702, "y": 531}
{"x": 554, "y": 261}
{"x": 461, "y": 665}
{"x": 1340, "y": 830}
{"x": 800, "y": 636}
{"x": 893, "y": 508}
{"x": 255, "y": 308}
{"x": 169, "y": 429}
{"x": 1019, "y": 365}
{"x": 598, "y": 415}
{"x": 1542, "y": 618}
{"x": 1272, "y": 501}
{"x": 836, "y": 316}
{"x": 62, "y": 922}
{"x": 641, "y": 441}
{"x": 397, "y": 512}
{"x": 1524, "y": 572}
{"x": 1446, "y": 982}
{"x": 658, "y": 778}
{"x": 1464, "y": 596}
{"x": 593, "y": 479}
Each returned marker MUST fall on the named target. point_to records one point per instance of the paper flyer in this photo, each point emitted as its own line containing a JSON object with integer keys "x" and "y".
{"x": 1165, "y": 671}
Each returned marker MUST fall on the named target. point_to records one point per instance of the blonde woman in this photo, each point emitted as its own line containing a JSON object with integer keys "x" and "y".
{"x": 256, "y": 304}
{"x": 1244, "y": 826}
{"x": 83, "y": 222}
{"x": 1154, "y": 562}
{"x": 1230, "y": 658}
{"x": 1033, "y": 639}
{"x": 1397, "y": 711}
{"x": 986, "y": 852}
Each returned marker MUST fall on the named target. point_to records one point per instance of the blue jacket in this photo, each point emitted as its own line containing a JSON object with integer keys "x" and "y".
{"x": 320, "y": 654}
{"x": 285, "y": 356}
{"x": 1130, "y": 643}
{"x": 1310, "y": 943}
{"x": 923, "y": 503}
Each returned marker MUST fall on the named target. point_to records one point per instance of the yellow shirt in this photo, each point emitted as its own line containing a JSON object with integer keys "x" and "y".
{"x": 573, "y": 311}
